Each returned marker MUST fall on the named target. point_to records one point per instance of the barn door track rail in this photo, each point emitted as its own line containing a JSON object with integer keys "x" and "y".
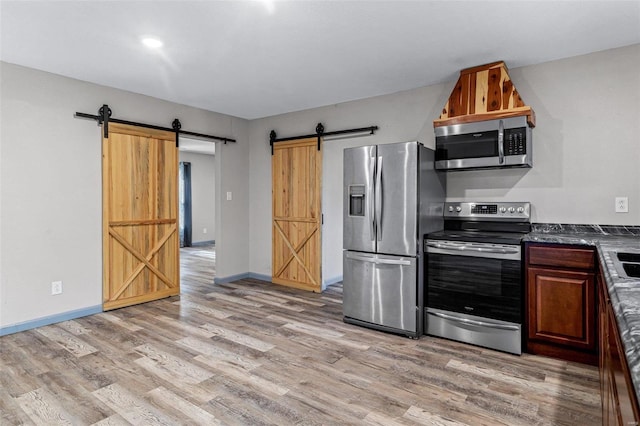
{"x": 104, "y": 118}
{"x": 320, "y": 133}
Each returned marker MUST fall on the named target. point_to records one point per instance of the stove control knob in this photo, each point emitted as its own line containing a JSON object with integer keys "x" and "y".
{"x": 511, "y": 210}
{"x": 503, "y": 209}
{"x": 520, "y": 209}
{"x": 450, "y": 208}
{"x": 458, "y": 209}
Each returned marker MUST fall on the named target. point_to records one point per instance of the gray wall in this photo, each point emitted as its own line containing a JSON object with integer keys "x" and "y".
{"x": 50, "y": 187}
{"x": 586, "y": 148}
{"x": 402, "y": 117}
{"x": 203, "y": 195}
{"x": 586, "y": 152}
{"x": 586, "y": 142}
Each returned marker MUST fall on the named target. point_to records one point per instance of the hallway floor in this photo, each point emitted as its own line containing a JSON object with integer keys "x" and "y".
{"x": 253, "y": 353}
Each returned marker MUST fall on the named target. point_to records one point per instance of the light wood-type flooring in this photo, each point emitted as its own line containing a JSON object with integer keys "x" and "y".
{"x": 253, "y": 353}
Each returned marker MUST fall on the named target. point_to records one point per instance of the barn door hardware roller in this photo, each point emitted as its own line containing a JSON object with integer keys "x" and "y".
{"x": 104, "y": 118}
{"x": 320, "y": 133}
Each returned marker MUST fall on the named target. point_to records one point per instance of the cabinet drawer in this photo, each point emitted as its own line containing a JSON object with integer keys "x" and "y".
{"x": 562, "y": 257}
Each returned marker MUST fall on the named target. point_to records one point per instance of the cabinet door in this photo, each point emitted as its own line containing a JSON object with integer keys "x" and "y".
{"x": 624, "y": 396}
{"x": 608, "y": 413}
{"x": 561, "y": 307}
{"x": 611, "y": 417}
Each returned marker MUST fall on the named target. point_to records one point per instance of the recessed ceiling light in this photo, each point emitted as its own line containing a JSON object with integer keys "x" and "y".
{"x": 151, "y": 42}
{"x": 269, "y": 5}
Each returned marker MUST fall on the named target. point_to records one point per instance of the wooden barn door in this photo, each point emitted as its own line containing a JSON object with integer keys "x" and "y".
{"x": 140, "y": 216}
{"x": 296, "y": 168}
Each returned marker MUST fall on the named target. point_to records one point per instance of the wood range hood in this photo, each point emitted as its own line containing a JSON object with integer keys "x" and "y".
{"x": 483, "y": 93}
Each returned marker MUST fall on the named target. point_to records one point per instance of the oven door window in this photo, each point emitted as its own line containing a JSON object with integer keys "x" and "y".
{"x": 477, "y": 145}
{"x": 490, "y": 288}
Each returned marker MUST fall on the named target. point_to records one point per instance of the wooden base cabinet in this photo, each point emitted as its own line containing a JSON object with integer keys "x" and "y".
{"x": 619, "y": 401}
{"x": 561, "y": 302}
{"x": 562, "y": 293}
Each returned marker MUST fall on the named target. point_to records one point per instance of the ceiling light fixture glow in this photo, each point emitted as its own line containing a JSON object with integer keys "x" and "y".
{"x": 152, "y": 43}
{"x": 269, "y": 5}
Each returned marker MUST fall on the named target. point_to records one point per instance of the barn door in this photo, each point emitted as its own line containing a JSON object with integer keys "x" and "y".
{"x": 296, "y": 168}
{"x": 140, "y": 212}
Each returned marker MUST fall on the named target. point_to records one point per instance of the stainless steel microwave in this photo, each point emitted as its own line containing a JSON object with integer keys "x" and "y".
{"x": 484, "y": 145}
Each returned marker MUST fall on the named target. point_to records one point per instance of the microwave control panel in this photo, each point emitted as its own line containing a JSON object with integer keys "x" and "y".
{"x": 515, "y": 141}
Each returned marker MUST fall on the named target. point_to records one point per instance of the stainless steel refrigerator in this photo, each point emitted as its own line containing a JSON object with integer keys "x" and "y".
{"x": 392, "y": 197}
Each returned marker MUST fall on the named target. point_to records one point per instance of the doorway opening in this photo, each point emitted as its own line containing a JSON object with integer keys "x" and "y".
{"x": 198, "y": 200}
{"x": 184, "y": 203}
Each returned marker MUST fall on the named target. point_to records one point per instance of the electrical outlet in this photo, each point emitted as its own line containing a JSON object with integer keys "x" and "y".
{"x": 56, "y": 287}
{"x": 622, "y": 204}
{"x": 229, "y": 196}
{"x": 204, "y": 230}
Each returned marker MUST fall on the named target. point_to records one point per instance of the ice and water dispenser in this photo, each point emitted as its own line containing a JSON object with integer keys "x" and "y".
{"x": 356, "y": 200}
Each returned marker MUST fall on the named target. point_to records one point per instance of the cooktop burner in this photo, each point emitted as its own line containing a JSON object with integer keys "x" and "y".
{"x": 482, "y": 222}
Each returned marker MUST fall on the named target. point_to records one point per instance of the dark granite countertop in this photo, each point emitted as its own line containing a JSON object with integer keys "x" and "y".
{"x": 623, "y": 292}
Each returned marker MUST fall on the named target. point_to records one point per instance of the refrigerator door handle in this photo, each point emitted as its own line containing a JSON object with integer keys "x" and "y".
{"x": 379, "y": 200}
{"x": 392, "y": 262}
{"x": 370, "y": 259}
{"x": 373, "y": 259}
{"x": 372, "y": 218}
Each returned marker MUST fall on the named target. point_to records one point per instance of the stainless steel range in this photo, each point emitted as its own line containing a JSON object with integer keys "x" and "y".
{"x": 474, "y": 279}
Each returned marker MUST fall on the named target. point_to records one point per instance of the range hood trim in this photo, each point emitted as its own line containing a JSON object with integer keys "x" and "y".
{"x": 482, "y": 93}
{"x": 526, "y": 111}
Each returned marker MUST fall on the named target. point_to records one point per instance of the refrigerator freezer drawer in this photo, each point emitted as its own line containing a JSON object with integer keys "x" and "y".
{"x": 381, "y": 290}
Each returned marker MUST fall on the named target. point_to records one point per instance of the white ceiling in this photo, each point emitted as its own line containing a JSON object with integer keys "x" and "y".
{"x": 254, "y": 59}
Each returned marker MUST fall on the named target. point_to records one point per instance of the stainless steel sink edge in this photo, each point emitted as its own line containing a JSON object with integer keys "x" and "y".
{"x": 618, "y": 264}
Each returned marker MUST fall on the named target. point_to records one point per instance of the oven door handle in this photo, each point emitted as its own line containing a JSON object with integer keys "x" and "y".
{"x": 474, "y": 322}
{"x": 468, "y": 248}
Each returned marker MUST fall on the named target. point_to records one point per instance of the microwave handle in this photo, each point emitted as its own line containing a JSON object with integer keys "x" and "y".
{"x": 500, "y": 142}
